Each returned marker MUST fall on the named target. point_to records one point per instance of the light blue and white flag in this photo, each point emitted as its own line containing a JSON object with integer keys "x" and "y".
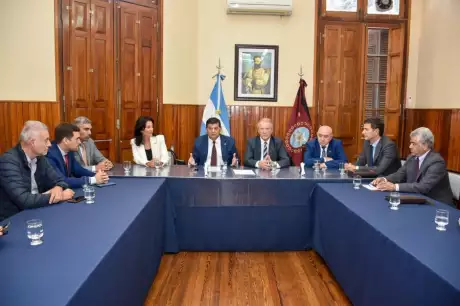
{"x": 217, "y": 108}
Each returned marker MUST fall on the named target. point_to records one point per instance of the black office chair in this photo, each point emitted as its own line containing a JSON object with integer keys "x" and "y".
{"x": 175, "y": 160}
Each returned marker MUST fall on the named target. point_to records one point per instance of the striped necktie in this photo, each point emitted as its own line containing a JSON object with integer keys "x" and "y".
{"x": 265, "y": 149}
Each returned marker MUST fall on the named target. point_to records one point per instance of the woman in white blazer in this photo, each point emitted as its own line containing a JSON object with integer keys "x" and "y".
{"x": 148, "y": 147}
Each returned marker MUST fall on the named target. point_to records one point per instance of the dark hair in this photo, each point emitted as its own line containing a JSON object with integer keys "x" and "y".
{"x": 141, "y": 123}
{"x": 65, "y": 130}
{"x": 376, "y": 123}
{"x": 212, "y": 120}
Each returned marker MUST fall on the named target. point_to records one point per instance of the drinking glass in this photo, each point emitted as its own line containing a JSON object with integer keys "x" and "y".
{"x": 35, "y": 231}
{"x": 342, "y": 168}
{"x": 356, "y": 182}
{"x": 273, "y": 166}
{"x": 441, "y": 219}
{"x": 87, "y": 182}
{"x": 223, "y": 167}
{"x": 127, "y": 166}
{"x": 90, "y": 194}
{"x": 395, "y": 200}
{"x": 316, "y": 165}
{"x": 157, "y": 163}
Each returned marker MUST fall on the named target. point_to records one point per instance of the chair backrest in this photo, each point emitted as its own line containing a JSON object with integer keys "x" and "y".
{"x": 173, "y": 157}
{"x": 454, "y": 180}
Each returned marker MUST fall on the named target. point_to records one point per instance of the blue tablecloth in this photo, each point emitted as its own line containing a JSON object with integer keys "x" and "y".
{"x": 385, "y": 257}
{"x": 101, "y": 254}
{"x": 239, "y": 214}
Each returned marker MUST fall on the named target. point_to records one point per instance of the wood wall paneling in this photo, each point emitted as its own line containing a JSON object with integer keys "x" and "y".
{"x": 13, "y": 115}
{"x": 181, "y": 124}
{"x": 444, "y": 123}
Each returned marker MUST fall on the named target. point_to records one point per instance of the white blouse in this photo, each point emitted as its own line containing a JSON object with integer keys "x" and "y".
{"x": 159, "y": 150}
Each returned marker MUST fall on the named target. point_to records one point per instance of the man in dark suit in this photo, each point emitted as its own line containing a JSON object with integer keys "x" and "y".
{"x": 379, "y": 152}
{"x": 27, "y": 180}
{"x": 61, "y": 157}
{"x": 424, "y": 171}
{"x": 213, "y": 148}
{"x": 265, "y": 148}
{"x": 325, "y": 149}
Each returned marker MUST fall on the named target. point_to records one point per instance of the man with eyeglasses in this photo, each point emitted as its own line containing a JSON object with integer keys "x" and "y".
{"x": 325, "y": 149}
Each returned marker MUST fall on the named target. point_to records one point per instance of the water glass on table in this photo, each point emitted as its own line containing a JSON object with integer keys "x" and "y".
{"x": 35, "y": 231}
{"x": 395, "y": 200}
{"x": 316, "y": 165}
{"x": 342, "y": 168}
{"x": 87, "y": 182}
{"x": 90, "y": 194}
{"x": 441, "y": 219}
{"x": 127, "y": 166}
{"x": 356, "y": 182}
{"x": 157, "y": 163}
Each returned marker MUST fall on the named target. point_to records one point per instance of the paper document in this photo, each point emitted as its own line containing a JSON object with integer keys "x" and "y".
{"x": 243, "y": 172}
{"x": 370, "y": 187}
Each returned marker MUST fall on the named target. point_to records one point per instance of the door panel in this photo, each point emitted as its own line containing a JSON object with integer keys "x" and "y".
{"x": 137, "y": 69}
{"x": 349, "y": 89}
{"x": 102, "y": 108}
{"x": 395, "y": 85}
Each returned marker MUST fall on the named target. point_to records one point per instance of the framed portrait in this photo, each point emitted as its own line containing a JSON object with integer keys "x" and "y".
{"x": 256, "y": 73}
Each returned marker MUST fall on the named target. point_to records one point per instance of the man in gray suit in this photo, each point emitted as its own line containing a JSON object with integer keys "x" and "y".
{"x": 424, "y": 171}
{"x": 88, "y": 155}
{"x": 379, "y": 152}
{"x": 264, "y": 148}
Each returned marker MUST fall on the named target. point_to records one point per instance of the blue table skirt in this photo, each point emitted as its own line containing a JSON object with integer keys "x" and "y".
{"x": 385, "y": 257}
{"x": 106, "y": 253}
{"x": 239, "y": 215}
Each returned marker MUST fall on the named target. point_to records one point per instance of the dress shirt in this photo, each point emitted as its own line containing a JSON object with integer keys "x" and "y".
{"x": 420, "y": 162}
{"x": 93, "y": 168}
{"x": 33, "y": 167}
{"x": 218, "y": 150}
{"x": 262, "y": 144}
{"x": 92, "y": 179}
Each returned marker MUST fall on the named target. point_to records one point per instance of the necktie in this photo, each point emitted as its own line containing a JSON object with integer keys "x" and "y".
{"x": 265, "y": 149}
{"x": 214, "y": 154}
{"x": 371, "y": 160}
{"x": 323, "y": 152}
{"x": 66, "y": 159}
{"x": 83, "y": 154}
{"x": 416, "y": 168}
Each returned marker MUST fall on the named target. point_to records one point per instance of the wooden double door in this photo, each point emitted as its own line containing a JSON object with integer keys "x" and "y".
{"x": 110, "y": 61}
{"x": 361, "y": 68}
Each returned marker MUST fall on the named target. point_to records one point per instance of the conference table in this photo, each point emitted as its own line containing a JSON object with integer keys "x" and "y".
{"x": 108, "y": 253}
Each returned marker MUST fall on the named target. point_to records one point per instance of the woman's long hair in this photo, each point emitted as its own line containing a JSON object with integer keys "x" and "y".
{"x": 141, "y": 123}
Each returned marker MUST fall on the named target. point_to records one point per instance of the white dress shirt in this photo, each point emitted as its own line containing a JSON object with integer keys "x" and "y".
{"x": 262, "y": 144}
{"x": 218, "y": 150}
{"x": 33, "y": 168}
{"x": 92, "y": 179}
{"x": 80, "y": 150}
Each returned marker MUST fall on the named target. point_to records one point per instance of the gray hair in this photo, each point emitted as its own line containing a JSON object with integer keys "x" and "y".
{"x": 81, "y": 120}
{"x": 426, "y": 136}
{"x": 31, "y": 129}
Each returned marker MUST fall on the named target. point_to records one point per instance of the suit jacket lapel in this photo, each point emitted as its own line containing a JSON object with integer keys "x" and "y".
{"x": 317, "y": 148}
{"x": 377, "y": 150}
{"x": 223, "y": 148}
{"x": 257, "y": 152}
{"x": 330, "y": 148}
{"x": 204, "y": 154}
{"x": 272, "y": 150}
{"x": 424, "y": 165}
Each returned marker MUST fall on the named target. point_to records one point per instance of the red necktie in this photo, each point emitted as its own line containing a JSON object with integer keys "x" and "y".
{"x": 214, "y": 154}
{"x": 66, "y": 159}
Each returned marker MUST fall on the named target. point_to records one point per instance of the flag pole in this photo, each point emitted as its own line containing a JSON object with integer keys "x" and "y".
{"x": 219, "y": 69}
{"x": 300, "y": 74}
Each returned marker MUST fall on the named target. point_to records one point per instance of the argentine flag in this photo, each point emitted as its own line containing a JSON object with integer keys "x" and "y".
{"x": 216, "y": 108}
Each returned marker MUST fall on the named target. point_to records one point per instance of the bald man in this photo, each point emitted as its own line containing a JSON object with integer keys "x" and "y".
{"x": 325, "y": 149}
{"x": 264, "y": 148}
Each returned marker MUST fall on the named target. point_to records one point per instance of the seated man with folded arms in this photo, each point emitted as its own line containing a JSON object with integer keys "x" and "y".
{"x": 325, "y": 149}
{"x": 88, "y": 155}
{"x": 27, "y": 180}
{"x": 213, "y": 148}
{"x": 424, "y": 171}
{"x": 379, "y": 153}
{"x": 62, "y": 156}
{"x": 264, "y": 148}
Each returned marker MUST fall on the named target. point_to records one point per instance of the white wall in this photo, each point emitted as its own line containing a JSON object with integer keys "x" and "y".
{"x": 27, "y": 56}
